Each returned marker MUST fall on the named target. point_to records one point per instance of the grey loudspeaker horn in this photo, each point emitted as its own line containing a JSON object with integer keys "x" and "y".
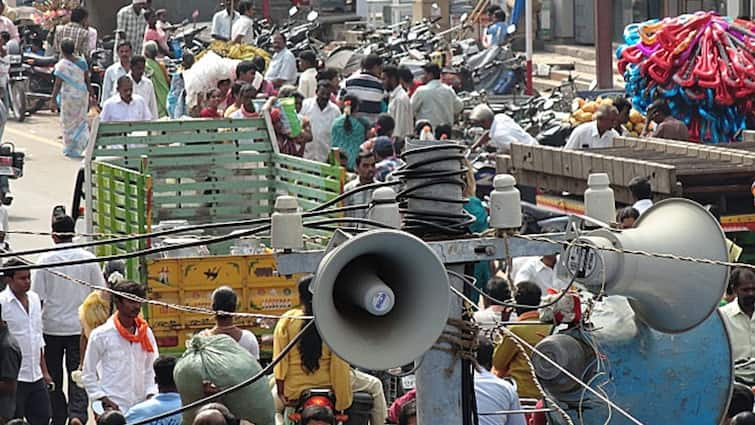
{"x": 669, "y": 295}
{"x": 381, "y": 299}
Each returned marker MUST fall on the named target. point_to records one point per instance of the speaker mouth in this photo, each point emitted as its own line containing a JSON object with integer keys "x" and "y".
{"x": 410, "y": 270}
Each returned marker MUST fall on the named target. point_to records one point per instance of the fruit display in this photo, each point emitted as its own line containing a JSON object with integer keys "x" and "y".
{"x": 702, "y": 64}
{"x": 584, "y": 111}
{"x": 236, "y": 51}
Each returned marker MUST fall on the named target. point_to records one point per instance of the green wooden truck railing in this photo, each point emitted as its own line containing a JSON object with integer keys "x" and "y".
{"x": 140, "y": 173}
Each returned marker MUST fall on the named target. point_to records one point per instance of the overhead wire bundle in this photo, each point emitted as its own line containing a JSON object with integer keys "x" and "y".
{"x": 703, "y": 65}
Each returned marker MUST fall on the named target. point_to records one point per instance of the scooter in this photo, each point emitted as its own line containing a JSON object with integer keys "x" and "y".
{"x": 11, "y": 167}
{"x": 31, "y": 80}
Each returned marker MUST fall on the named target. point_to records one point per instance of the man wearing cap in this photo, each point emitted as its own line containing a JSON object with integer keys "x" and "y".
{"x": 595, "y": 134}
{"x": 502, "y": 130}
{"x": 435, "y": 101}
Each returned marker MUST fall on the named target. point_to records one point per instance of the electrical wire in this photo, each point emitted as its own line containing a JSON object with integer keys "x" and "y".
{"x": 467, "y": 281}
{"x": 526, "y": 356}
{"x": 173, "y": 231}
{"x": 354, "y": 191}
{"x": 140, "y": 253}
{"x": 261, "y": 374}
{"x": 570, "y": 375}
{"x": 151, "y": 251}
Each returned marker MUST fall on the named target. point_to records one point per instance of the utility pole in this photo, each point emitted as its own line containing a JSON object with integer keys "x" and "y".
{"x": 528, "y": 43}
{"x": 604, "y": 43}
{"x": 438, "y": 392}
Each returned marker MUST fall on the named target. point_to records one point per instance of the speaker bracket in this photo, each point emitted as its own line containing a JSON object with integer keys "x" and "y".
{"x": 457, "y": 251}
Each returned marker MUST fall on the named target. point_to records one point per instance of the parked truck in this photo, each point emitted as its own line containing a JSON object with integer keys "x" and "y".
{"x": 139, "y": 176}
{"x": 711, "y": 175}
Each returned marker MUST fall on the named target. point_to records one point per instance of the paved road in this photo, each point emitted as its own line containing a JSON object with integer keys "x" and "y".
{"x": 48, "y": 178}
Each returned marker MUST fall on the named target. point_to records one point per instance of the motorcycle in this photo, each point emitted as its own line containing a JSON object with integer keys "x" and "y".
{"x": 11, "y": 167}
{"x": 31, "y": 78}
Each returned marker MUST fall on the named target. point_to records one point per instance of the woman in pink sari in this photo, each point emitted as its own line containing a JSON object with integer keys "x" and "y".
{"x": 72, "y": 84}
{"x": 153, "y": 33}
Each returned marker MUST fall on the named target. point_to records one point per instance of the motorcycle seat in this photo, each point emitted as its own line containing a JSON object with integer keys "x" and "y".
{"x": 40, "y": 60}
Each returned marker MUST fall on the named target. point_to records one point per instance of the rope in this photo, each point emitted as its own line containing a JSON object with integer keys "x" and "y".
{"x": 639, "y": 252}
{"x": 529, "y": 362}
{"x": 570, "y": 375}
{"x": 462, "y": 341}
{"x": 184, "y": 308}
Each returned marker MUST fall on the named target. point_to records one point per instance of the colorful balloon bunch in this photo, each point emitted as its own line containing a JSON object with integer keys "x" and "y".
{"x": 702, "y": 64}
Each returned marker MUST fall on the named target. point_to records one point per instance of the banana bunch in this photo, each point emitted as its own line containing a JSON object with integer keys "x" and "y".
{"x": 584, "y": 111}
{"x": 236, "y": 51}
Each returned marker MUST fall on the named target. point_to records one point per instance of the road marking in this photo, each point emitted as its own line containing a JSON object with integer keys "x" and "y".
{"x": 34, "y": 137}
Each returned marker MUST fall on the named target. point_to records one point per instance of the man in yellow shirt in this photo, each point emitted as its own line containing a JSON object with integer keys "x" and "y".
{"x": 508, "y": 360}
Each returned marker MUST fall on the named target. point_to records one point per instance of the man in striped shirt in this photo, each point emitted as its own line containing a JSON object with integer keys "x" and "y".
{"x": 368, "y": 87}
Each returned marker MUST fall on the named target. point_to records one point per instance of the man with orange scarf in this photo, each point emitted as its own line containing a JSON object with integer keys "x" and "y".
{"x": 118, "y": 361}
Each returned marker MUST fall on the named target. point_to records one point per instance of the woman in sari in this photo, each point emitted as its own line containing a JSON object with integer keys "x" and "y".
{"x": 72, "y": 84}
{"x": 159, "y": 77}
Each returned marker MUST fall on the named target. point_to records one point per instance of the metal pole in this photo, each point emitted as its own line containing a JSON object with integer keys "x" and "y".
{"x": 604, "y": 43}
{"x": 230, "y": 16}
{"x": 528, "y": 43}
{"x": 439, "y": 393}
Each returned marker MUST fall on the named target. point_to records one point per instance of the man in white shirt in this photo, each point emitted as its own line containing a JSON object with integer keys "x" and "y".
{"x": 494, "y": 312}
{"x": 119, "y": 357}
{"x": 308, "y": 77}
{"x": 243, "y": 28}
{"x": 365, "y": 169}
{"x": 143, "y": 85}
{"x": 502, "y": 130}
{"x": 642, "y": 193}
{"x": 595, "y": 134}
{"x": 222, "y": 22}
{"x": 399, "y": 104}
{"x": 282, "y": 69}
{"x": 321, "y": 113}
{"x": 434, "y": 101}
{"x": 492, "y": 393}
{"x": 61, "y": 299}
{"x": 126, "y": 106}
{"x": 116, "y": 71}
{"x": 22, "y": 311}
{"x": 542, "y": 272}
{"x": 738, "y": 317}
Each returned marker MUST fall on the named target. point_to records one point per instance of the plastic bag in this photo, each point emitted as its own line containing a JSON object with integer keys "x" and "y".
{"x": 288, "y": 107}
{"x": 222, "y": 361}
{"x": 204, "y": 75}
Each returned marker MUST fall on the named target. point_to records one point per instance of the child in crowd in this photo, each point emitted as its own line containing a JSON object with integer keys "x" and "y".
{"x": 213, "y": 103}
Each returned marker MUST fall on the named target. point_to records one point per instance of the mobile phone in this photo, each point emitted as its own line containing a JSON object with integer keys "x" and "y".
{"x": 98, "y": 408}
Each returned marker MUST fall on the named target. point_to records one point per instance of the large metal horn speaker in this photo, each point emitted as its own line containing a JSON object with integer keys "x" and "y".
{"x": 669, "y": 295}
{"x": 381, "y": 299}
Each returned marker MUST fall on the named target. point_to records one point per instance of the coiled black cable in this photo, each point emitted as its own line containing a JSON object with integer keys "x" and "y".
{"x": 417, "y": 176}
